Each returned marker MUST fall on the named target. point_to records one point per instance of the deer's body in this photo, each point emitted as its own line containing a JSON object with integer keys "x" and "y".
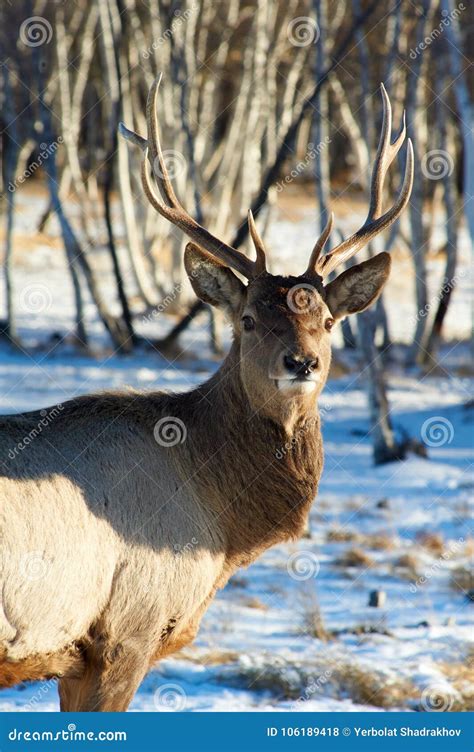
{"x": 126, "y": 541}
{"x": 113, "y": 543}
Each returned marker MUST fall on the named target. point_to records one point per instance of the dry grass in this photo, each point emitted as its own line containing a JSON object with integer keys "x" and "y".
{"x": 339, "y": 535}
{"x": 370, "y": 629}
{"x": 342, "y": 681}
{"x": 355, "y": 557}
{"x": 462, "y": 578}
{"x": 219, "y": 658}
{"x": 461, "y": 676}
{"x": 379, "y": 542}
{"x": 252, "y": 602}
{"x": 282, "y": 681}
{"x": 312, "y": 620}
{"x": 469, "y": 547}
{"x": 408, "y": 564}
{"x": 369, "y": 688}
{"x": 432, "y": 542}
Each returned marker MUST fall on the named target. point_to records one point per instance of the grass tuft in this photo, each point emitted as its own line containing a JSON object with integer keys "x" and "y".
{"x": 355, "y": 557}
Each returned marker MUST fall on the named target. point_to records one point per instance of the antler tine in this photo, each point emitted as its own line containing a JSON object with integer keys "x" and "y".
{"x": 157, "y": 161}
{"x": 180, "y": 218}
{"x": 261, "y": 261}
{"x": 386, "y": 153}
{"x": 376, "y": 222}
{"x": 170, "y": 207}
{"x": 319, "y": 245}
{"x": 133, "y": 137}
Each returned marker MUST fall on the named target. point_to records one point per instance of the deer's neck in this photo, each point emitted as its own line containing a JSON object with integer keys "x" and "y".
{"x": 259, "y": 475}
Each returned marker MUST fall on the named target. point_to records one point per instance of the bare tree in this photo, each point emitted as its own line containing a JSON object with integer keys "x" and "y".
{"x": 244, "y": 117}
{"x": 448, "y": 283}
{"x": 415, "y": 113}
{"x": 465, "y": 108}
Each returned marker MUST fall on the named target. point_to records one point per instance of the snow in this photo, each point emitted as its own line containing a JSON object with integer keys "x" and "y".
{"x": 254, "y": 650}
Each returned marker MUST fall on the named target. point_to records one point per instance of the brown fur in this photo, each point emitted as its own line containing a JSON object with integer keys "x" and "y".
{"x": 41, "y": 668}
{"x": 247, "y": 475}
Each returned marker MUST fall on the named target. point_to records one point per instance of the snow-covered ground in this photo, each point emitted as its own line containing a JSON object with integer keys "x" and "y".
{"x": 295, "y": 631}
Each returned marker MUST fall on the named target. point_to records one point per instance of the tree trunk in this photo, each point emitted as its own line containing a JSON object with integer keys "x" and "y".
{"x": 465, "y": 109}
{"x": 384, "y": 446}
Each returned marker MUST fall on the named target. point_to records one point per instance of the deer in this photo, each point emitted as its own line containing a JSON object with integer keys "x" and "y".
{"x": 128, "y": 511}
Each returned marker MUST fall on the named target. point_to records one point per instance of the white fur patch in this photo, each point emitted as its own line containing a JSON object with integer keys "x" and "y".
{"x": 296, "y": 385}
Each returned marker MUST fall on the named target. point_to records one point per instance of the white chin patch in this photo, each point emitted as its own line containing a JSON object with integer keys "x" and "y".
{"x": 295, "y": 385}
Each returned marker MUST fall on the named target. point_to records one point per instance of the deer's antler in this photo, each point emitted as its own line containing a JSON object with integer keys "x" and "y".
{"x": 376, "y": 222}
{"x": 170, "y": 207}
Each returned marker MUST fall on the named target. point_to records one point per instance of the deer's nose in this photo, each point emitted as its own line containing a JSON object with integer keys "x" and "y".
{"x": 300, "y": 366}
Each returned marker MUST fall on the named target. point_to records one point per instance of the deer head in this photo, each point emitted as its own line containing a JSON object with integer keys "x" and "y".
{"x": 282, "y": 325}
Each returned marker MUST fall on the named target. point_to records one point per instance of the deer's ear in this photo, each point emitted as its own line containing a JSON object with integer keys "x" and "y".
{"x": 213, "y": 282}
{"x": 358, "y": 287}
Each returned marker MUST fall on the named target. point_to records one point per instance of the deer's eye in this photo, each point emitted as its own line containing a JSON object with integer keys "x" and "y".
{"x": 328, "y": 324}
{"x": 248, "y": 323}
